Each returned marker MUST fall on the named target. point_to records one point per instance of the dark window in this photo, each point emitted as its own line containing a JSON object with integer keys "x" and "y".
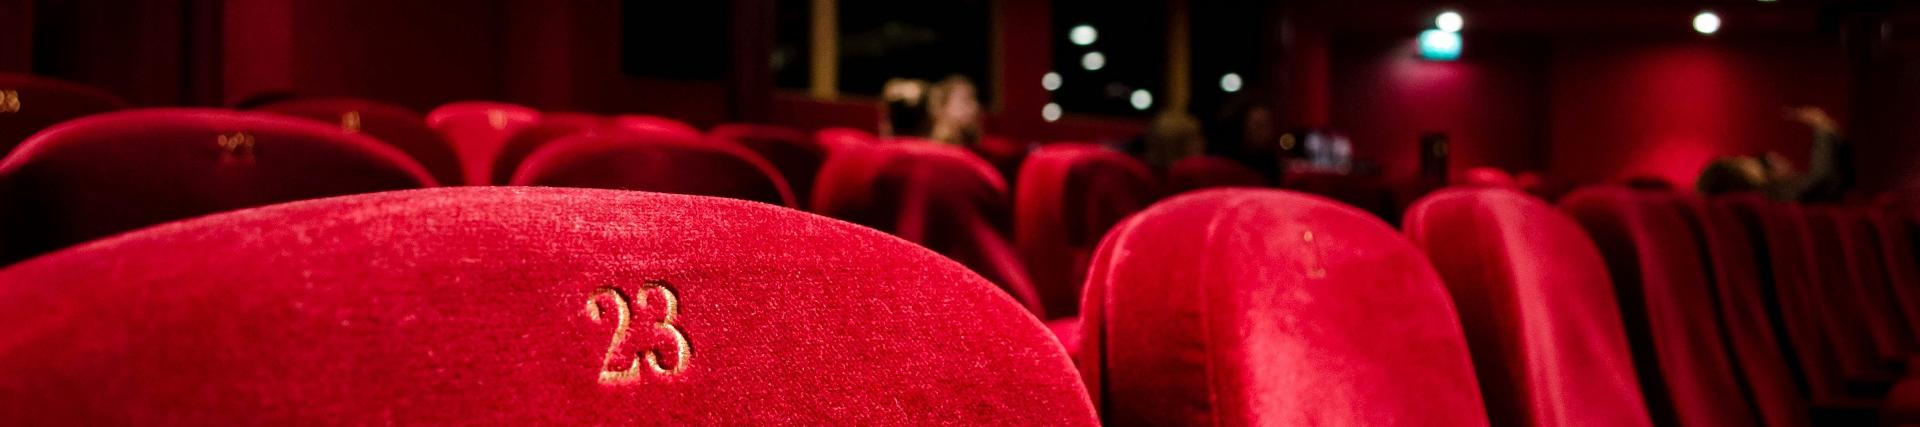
{"x": 792, "y": 56}
{"x": 884, "y": 39}
{"x": 675, "y": 39}
{"x": 1227, "y": 38}
{"x": 1129, "y": 45}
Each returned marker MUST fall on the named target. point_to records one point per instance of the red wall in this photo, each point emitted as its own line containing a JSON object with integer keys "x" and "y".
{"x": 1489, "y": 103}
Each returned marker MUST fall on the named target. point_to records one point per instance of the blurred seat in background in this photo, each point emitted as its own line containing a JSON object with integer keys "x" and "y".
{"x": 395, "y": 125}
{"x": 551, "y": 127}
{"x": 29, "y": 104}
{"x": 1071, "y": 194}
{"x": 662, "y": 163}
{"x": 478, "y": 130}
{"x": 794, "y": 153}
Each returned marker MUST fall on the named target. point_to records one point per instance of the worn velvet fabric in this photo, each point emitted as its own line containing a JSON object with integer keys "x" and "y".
{"x": 663, "y": 163}
{"x": 477, "y": 130}
{"x": 520, "y": 306}
{"x": 1667, "y": 301}
{"x": 654, "y": 126}
{"x": 1200, "y": 172}
{"x": 551, "y": 127}
{"x": 1245, "y": 307}
{"x": 114, "y": 172}
{"x": 395, "y": 125}
{"x": 1538, "y": 306}
{"x": 1068, "y": 196}
{"x": 794, "y": 153}
{"x": 1747, "y": 313}
{"x": 31, "y": 104}
{"x": 940, "y": 197}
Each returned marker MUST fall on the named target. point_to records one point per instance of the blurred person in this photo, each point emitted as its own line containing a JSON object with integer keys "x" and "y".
{"x": 1826, "y": 180}
{"x": 904, "y": 107}
{"x": 953, "y": 105}
{"x": 1244, "y": 131}
{"x": 1172, "y": 136}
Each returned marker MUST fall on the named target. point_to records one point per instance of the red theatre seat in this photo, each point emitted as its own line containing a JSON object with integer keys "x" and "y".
{"x": 395, "y": 125}
{"x": 1486, "y": 177}
{"x": 654, "y": 125}
{"x": 1847, "y": 255}
{"x": 794, "y": 153}
{"x": 552, "y": 127}
{"x": 836, "y": 138}
{"x": 1749, "y": 315}
{"x": 940, "y": 197}
{"x": 1068, "y": 196}
{"x": 478, "y": 130}
{"x": 1895, "y": 237}
{"x": 1199, "y": 172}
{"x": 521, "y": 306}
{"x": 659, "y": 163}
{"x": 114, "y": 172}
{"x": 1538, "y": 308}
{"x": 29, "y": 104}
{"x": 1667, "y": 301}
{"x": 1245, "y": 307}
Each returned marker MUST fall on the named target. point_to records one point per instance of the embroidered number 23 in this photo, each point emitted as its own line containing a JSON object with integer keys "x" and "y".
{"x": 610, "y": 301}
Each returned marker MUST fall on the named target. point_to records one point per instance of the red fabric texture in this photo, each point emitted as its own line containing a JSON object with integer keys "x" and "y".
{"x": 114, "y": 172}
{"x": 794, "y": 153}
{"x": 1069, "y": 195}
{"x": 835, "y": 138}
{"x": 1748, "y": 314}
{"x": 662, "y": 163}
{"x": 1486, "y": 177}
{"x": 943, "y": 198}
{"x": 504, "y": 306}
{"x": 1861, "y": 277}
{"x": 1201, "y": 172}
{"x": 1667, "y": 301}
{"x": 1246, "y": 307}
{"x": 477, "y": 130}
{"x": 552, "y": 126}
{"x": 654, "y": 125}
{"x": 1895, "y": 237}
{"x": 395, "y": 125}
{"x": 1868, "y": 349}
{"x": 1539, "y": 310}
{"x": 37, "y": 103}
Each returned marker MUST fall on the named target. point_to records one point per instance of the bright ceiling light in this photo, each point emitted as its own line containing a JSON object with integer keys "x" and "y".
{"x": 1230, "y": 82}
{"x": 1083, "y": 35}
{"x": 1141, "y": 99}
{"x": 1051, "y": 81}
{"x": 1093, "y": 61}
{"x": 1706, "y": 23}
{"x": 1050, "y": 112}
{"x": 1450, "y": 21}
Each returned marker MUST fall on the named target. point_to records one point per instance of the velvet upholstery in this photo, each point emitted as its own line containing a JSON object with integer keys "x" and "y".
{"x": 1200, "y": 172}
{"x": 1251, "y": 307}
{"x": 1486, "y": 177}
{"x": 477, "y": 130}
{"x": 551, "y": 127}
{"x": 1861, "y": 261}
{"x": 1068, "y": 196}
{"x": 395, "y": 125}
{"x": 520, "y": 306}
{"x": 654, "y": 125}
{"x": 29, "y": 104}
{"x": 665, "y": 163}
{"x": 114, "y": 172}
{"x": 794, "y": 153}
{"x": 940, "y": 197}
{"x": 1851, "y": 311}
{"x": 1667, "y": 302}
{"x": 1747, "y": 312}
{"x": 835, "y": 138}
{"x": 1539, "y": 310}
{"x": 1895, "y": 237}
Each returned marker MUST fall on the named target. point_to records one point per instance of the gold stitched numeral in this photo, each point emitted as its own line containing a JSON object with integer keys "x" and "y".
{"x": 350, "y": 121}
{"x": 611, "y": 374}
{"x": 9, "y": 101}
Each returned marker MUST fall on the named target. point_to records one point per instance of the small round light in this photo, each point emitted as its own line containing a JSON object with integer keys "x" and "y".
{"x": 1093, "y": 61}
{"x": 1449, "y": 21}
{"x": 1706, "y": 23}
{"x": 1436, "y": 45}
{"x": 1083, "y": 35}
{"x": 1050, "y": 112}
{"x": 1230, "y": 82}
{"x": 1141, "y": 99}
{"x": 1050, "y": 81}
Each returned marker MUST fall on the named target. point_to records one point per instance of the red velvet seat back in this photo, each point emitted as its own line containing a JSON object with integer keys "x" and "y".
{"x": 1752, "y": 323}
{"x": 116, "y": 172}
{"x": 940, "y": 197}
{"x": 658, "y": 163}
{"x": 1667, "y": 300}
{"x": 29, "y": 104}
{"x": 1539, "y": 310}
{"x": 477, "y": 130}
{"x": 794, "y": 153}
{"x": 520, "y": 306}
{"x": 1198, "y": 172}
{"x": 1068, "y": 196}
{"x": 1853, "y": 312}
{"x": 552, "y": 126}
{"x": 1895, "y": 237}
{"x": 1486, "y": 177}
{"x": 1826, "y": 360}
{"x": 1245, "y": 307}
{"x": 1866, "y": 270}
{"x": 836, "y": 138}
{"x": 392, "y": 124}
{"x": 654, "y": 126}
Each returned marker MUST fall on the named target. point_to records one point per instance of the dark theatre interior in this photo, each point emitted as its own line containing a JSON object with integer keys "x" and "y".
{"x": 960, "y": 212}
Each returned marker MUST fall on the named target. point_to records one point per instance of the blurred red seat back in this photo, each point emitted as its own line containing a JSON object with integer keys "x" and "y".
{"x": 478, "y": 130}
{"x": 1896, "y": 239}
{"x": 395, "y": 125}
{"x": 1539, "y": 310}
{"x": 521, "y": 306}
{"x": 1244, "y": 307}
{"x": 116, "y": 172}
{"x": 1856, "y": 268}
{"x": 836, "y": 138}
{"x": 551, "y": 127}
{"x": 1667, "y": 301}
{"x": 654, "y": 126}
{"x": 658, "y": 163}
{"x": 794, "y": 153}
{"x": 1486, "y": 177}
{"x": 29, "y": 104}
{"x": 943, "y": 198}
{"x": 1198, "y": 172}
{"x": 1068, "y": 196}
{"x": 1861, "y": 326}
{"x": 1754, "y": 331}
